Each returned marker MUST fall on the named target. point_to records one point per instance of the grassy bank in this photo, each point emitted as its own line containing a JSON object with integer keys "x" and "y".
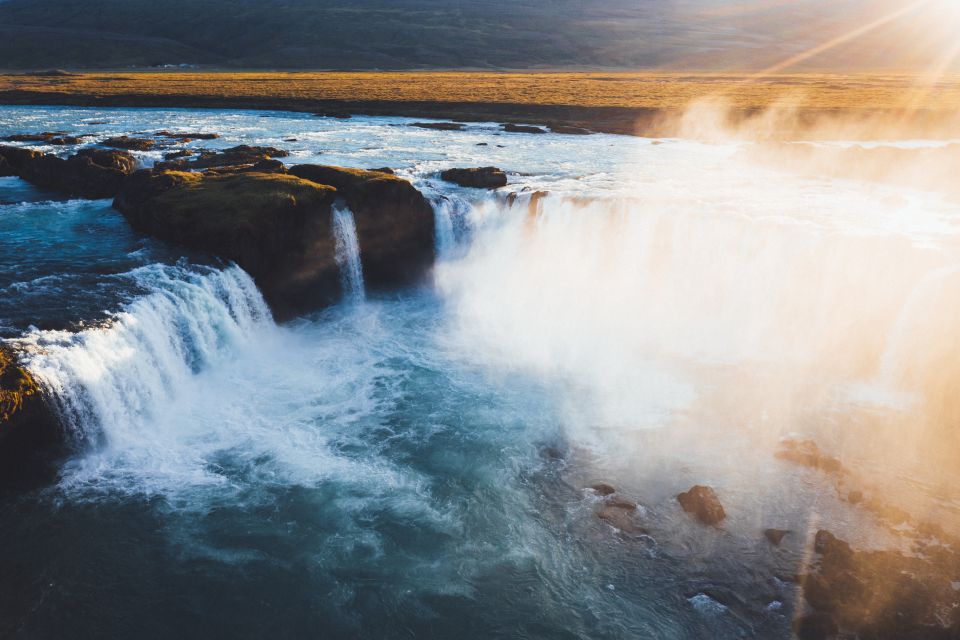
{"x": 646, "y": 103}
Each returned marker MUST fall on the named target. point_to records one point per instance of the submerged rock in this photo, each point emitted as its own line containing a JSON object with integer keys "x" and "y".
{"x": 569, "y": 130}
{"x": 30, "y": 435}
{"x": 439, "y": 126}
{"x": 187, "y": 136}
{"x": 775, "y": 536}
{"x": 90, "y": 173}
{"x": 478, "y": 177}
{"x": 395, "y": 223}
{"x": 132, "y": 144}
{"x": 703, "y": 503}
{"x": 522, "y": 128}
{"x": 603, "y": 488}
{"x": 620, "y": 513}
{"x": 808, "y": 454}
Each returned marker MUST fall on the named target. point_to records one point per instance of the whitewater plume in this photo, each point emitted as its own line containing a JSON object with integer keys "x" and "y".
{"x": 109, "y": 382}
{"x": 348, "y": 254}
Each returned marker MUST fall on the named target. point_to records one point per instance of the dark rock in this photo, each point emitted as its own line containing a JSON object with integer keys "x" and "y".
{"x": 276, "y": 227}
{"x": 855, "y": 497}
{"x": 243, "y": 155}
{"x": 439, "y": 126}
{"x": 341, "y": 115}
{"x": 620, "y": 513}
{"x": 570, "y": 131}
{"x": 385, "y": 170}
{"x": 703, "y": 503}
{"x": 816, "y": 626}
{"x": 187, "y": 136}
{"x": 479, "y": 177}
{"x": 132, "y": 144}
{"x": 182, "y": 153}
{"x": 395, "y": 223}
{"x": 34, "y": 137}
{"x": 91, "y": 173}
{"x": 290, "y": 139}
{"x": 603, "y": 488}
{"x": 775, "y": 536}
{"x": 31, "y": 438}
{"x": 522, "y": 128}
{"x": 5, "y": 169}
{"x": 482, "y": 144}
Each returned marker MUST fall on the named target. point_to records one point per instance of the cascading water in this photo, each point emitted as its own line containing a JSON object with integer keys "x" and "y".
{"x": 450, "y": 214}
{"x": 111, "y": 382}
{"x": 348, "y": 254}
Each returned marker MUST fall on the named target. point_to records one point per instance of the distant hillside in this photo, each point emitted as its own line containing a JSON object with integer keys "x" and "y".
{"x": 439, "y": 34}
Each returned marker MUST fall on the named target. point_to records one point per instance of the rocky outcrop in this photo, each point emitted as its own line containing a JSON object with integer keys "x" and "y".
{"x": 47, "y": 137}
{"x": 522, "y": 128}
{"x": 186, "y": 137}
{"x": 702, "y": 502}
{"x": 5, "y": 169}
{"x": 885, "y": 595}
{"x": 568, "y": 130}
{"x": 439, "y": 126}
{"x": 478, "y": 177}
{"x": 395, "y": 223}
{"x": 90, "y": 173}
{"x": 620, "y": 513}
{"x": 132, "y": 144}
{"x": 30, "y": 435}
{"x": 276, "y": 227}
{"x": 235, "y": 157}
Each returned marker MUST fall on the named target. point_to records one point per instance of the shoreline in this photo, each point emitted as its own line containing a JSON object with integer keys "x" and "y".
{"x": 649, "y": 105}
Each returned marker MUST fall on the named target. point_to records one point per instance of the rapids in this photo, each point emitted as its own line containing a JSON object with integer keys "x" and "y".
{"x": 416, "y": 463}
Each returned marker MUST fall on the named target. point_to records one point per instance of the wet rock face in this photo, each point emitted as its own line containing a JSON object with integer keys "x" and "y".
{"x": 478, "y": 177}
{"x": 5, "y": 169}
{"x": 126, "y": 142}
{"x": 522, "y": 128}
{"x": 395, "y": 223}
{"x": 702, "y": 502}
{"x": 816, "y": 626}
{"x": 884, "y": 595}
{"x": 90, "y": 173}
{"x": 276, "y": 227}
{"x": 30, "y": 435}
{"x": 239, "y": 156}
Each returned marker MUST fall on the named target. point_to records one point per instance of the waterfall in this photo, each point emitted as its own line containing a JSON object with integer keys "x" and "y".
{"x": 109, "y": 382}
{"x": 348, "y": 254}
{"x": 451, "y": 223}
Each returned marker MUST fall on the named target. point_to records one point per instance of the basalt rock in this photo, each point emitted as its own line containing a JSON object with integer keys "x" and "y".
{"x": 885, "y": 595}
{"x": 5, "y": 169}
{"x": 439, "y": 126}
{"x": 187, "y": 136}
{"x": 702, "y": 502}
{"x": 570, "y": 131}
{"x": 30, "y": 435}
{"x": 240, "y": 156}
{"x": 132, "y": 144}
{"x": 478, "y": 177}
{"x": 276, "y": 227}
{"x": 522, "y": 128}
{"x": 90, "y": 173}
{"x": 395, "y": 223}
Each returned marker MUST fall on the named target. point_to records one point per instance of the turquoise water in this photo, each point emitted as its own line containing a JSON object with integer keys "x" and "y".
{"x": 417, "y": 464}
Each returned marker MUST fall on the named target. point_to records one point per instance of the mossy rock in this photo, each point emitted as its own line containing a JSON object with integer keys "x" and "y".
{"x": 31, "y": 438}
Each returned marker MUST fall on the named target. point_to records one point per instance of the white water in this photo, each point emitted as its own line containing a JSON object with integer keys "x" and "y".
{"x": 114, "y": 383}
{"x": 348, "y": 254}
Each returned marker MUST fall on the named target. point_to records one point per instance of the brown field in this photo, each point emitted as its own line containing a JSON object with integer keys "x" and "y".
{"x": 613, "y": 102}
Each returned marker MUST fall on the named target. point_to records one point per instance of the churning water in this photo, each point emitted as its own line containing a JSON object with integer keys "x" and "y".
{"x": 416, "y": 464}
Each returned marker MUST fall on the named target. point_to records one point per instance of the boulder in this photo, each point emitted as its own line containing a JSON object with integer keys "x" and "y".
{"x": 276, "y": 227}
{"x": 395, "y": 223}
{"x": 570, "y": 131}
{"x": 703, "y": 503}
{"x": 439, "y": 126}
{"x": 478, "y": 177}
{"x": 90, "y": 173}
{"x": 5, "y": 169}
{"x": 31, "y": 438}
{"x": 132, "y": 144}
{"x": 385, "y": 170}
{"x": 522, "y": 128}
{"x": 603, "y": 488}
